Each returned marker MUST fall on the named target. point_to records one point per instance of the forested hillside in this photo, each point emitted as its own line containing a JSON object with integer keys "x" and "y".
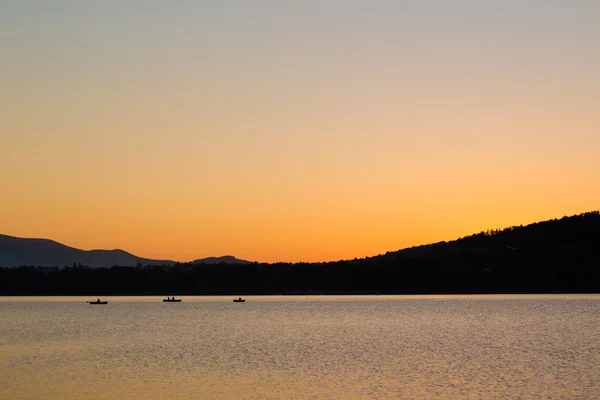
{"x": 560, "y": 255}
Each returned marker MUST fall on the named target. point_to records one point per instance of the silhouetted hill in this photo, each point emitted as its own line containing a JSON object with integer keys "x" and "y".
{"x": 560, "y": 255}
{"x": 16, "y": 251}
{"x": 220, "y": 260}
{"x": 579, "y": 233}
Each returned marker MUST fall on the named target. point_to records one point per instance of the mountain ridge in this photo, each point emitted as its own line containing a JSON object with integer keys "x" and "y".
{"x": 16, "y": 251}
{"x": 553, "y": 256}
{"x": 228, "y": 259}
{"x": 507, "y": 239}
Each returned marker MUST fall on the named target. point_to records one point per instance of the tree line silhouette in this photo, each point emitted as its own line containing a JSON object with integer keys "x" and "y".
{"x": 560, "y": 255}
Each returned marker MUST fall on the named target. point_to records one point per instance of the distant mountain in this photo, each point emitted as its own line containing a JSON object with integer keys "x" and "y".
{"x": 16, "y": 251}
{"x": 220, "y": 260}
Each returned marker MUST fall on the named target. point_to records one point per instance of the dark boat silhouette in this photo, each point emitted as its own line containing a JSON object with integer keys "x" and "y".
{"x": 171, "y": 300}
{"x": 97, "y": 302}
{"x": 239, "y": 300}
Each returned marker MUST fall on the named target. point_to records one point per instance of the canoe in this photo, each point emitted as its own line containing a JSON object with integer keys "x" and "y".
{"x": 97, "y": 302}
{"x": 171, "y": 301}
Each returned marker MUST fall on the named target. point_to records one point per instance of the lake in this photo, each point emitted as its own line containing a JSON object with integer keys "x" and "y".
{"x": 304, "y": 347}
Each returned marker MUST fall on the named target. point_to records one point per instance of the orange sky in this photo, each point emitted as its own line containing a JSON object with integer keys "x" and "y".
{"x": 294, "y": 132}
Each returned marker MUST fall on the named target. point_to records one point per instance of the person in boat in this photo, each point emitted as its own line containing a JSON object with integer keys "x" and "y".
{"x": 239, "y": 298}
{"x": 98, "y": 300}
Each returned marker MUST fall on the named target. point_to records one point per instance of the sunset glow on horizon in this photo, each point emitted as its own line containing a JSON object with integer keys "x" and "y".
{"x": 294, "y": 132}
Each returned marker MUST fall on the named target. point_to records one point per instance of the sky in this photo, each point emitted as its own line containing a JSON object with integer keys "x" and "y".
{"x": 294, "y": 131}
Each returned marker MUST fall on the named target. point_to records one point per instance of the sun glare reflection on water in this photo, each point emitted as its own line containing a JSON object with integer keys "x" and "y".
{"x": 301, "y": 347}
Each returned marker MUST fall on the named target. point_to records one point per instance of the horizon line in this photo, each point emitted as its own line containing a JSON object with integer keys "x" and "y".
{"x": 297, "y": 262}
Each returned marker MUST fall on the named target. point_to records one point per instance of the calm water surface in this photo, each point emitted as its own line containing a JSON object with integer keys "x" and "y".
{"x": 301, "y": 347}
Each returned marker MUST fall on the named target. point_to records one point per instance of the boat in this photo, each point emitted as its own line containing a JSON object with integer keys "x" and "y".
{"x": 239, "y": 300}
{"x": 97, "y": 302}
{"x": 171, "y": 300}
